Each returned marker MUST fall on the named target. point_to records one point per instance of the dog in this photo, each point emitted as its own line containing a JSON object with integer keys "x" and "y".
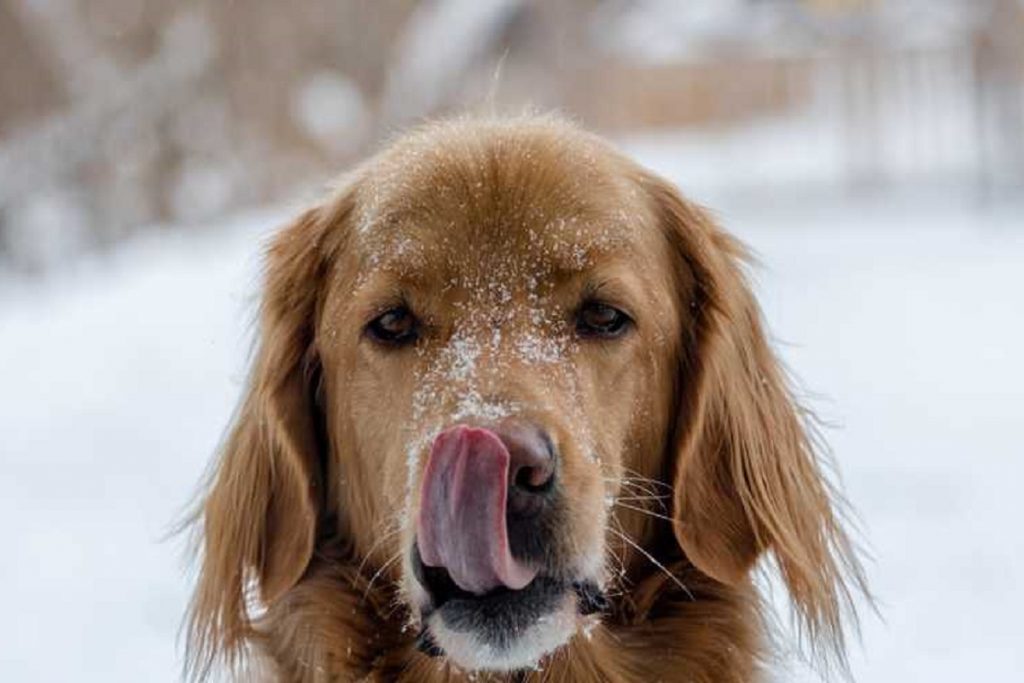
{"x": 512, "y": 416}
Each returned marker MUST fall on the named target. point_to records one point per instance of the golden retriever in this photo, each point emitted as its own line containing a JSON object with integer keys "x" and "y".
{"x": 513, "y": 416}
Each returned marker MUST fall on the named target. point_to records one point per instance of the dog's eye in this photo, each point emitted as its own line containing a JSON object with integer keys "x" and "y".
{"x": 395, "y": 327}
{"x": 601, "y": 320}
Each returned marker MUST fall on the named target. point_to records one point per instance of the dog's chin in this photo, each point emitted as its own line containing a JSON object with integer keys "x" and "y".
{"x": 504, "y": 631}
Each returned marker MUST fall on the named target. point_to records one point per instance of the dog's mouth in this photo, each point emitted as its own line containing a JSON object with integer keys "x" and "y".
{"x": 499, "y": 618}
{"x": 495, "y": 593}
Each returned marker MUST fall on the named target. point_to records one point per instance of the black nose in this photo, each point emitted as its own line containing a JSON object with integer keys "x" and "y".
{"x": 532, "y": 467}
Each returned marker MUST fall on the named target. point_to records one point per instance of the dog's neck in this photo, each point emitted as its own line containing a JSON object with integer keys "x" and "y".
{"x": 336, "y": 626}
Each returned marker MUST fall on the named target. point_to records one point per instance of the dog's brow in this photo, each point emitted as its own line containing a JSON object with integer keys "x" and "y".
{"x": 572, "y": 257}
{"x": 421, "y": 249}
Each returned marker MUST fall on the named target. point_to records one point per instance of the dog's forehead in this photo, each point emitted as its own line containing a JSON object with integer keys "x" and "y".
{"x": 529, "y": 203}
{"x": 508, "y": 245}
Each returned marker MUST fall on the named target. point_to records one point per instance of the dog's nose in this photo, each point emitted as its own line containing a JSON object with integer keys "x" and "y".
{"x": 532, "y": 465}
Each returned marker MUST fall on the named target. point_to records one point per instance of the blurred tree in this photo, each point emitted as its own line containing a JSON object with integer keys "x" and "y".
{"x": 121, "y": 113}
{"x": 29, "y": 85}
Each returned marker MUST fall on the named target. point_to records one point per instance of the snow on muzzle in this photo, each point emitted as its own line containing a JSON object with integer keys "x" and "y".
{"x": 462, "y": 519}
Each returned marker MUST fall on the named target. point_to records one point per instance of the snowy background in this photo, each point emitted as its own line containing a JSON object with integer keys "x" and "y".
{"x": 881, "y": 184}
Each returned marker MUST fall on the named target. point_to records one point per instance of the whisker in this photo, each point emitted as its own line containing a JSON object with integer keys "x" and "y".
{"x": 636, "y": 476}
{"x": 654, "y": 561}
{"x": 660, "y": 500}
{"x": 378, "y": 573}
{"x": 643, "y": 485}
{"x": 614, "y": 564}
{"x": 618, "y": 571}
{"x": 380, "y": 539}
{"x": 621, "y": 577}
{"x": 649, "y": 513}
{"x": 639, "y": 486}
{"x": 633, "y": 489}
{"x": 638, "y": 480}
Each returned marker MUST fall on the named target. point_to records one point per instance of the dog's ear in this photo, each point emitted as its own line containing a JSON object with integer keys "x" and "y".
{"x": 746, "y": 476}
{"x": 259, "y": 517}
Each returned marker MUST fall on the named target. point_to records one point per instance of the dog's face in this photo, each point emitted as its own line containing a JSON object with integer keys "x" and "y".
{"x": 496, "y": 351}
{"x": 467, "y": 354}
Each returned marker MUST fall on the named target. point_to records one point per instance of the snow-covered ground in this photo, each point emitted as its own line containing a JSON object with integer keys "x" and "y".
{"x": 904, "y": 320}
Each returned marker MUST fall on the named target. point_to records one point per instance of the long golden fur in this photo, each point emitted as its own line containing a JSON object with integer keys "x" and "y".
{"x": 704, "y": 461}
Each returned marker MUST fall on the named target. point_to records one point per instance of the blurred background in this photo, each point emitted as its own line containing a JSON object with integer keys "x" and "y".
{"x": 871, "y": 152}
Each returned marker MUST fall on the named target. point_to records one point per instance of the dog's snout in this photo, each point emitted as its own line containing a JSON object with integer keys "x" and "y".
{"x": 532, "y": 466}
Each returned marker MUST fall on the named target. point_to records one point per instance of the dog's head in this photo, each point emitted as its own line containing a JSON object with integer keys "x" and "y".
{"x": 476, "y": 358}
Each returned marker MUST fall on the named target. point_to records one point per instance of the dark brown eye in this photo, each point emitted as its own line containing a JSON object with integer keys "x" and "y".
{"x": 601, "y": 321}
{"x": 395, "y": 327}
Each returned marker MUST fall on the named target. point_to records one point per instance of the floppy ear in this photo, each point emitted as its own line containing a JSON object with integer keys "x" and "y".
{"x": 746, "y": 477}
{"x": 259, "y": 518}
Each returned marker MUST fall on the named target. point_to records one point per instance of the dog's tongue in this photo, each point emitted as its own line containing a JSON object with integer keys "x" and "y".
{"x": 462, "y": 512}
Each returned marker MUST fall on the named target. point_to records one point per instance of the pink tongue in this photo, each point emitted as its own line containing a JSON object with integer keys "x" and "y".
{"x": 462, "y": 512}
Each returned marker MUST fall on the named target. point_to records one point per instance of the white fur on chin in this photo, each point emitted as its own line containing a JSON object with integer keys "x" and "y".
{"x": 549, "y": 633}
